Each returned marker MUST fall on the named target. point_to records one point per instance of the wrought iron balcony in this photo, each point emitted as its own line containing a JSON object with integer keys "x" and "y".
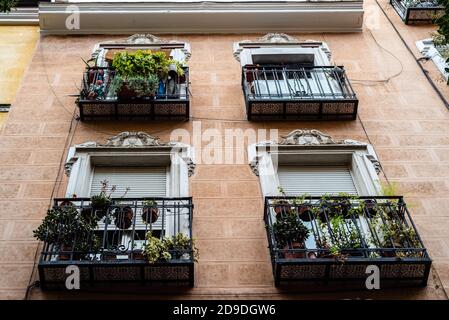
{"x": 298, "y": 93}
{"x": 98, "y": 102}
{"x": 108, "y": 243}
{"x": 344, "y": 235}
{"x": 418, "y": 11}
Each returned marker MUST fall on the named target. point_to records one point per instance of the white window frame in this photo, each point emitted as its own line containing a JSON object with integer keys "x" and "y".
{"x": 360, "y": 157}
{"x": 131, "y": 149}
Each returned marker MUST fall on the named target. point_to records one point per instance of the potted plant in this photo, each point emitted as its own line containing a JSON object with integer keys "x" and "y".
{"x": 155, "y": 249}
{"x": 290, "y": 233}
{"x": 150, "y": 211}
{"x": 369, "y": 206}
{"x": 180, "y": 246}
{"x": 344, "y": 238}
{"x": 141, "y": 73}
{"x": 101, "y": 202}
{"x": 64, "y": 229}
{"x": 394, "y": 234}
{"x": 7, "y": 5}
{"x": 304, "y": 209}
{"x": 123, "y": 216}
{"x": 281, "y": 206}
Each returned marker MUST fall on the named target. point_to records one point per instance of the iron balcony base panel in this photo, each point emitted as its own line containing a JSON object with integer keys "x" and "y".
{"x": 306, "y": 110}
{"x": 141, "y": 110}
{"x": 115, "y": 274}
{"x": 416, "y": 15}
{"x": 392, "y": 273}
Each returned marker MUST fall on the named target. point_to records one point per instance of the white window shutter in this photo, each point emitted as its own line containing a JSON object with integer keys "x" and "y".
{"x": 143, "y": 182}
{"x": 316, "y": 180}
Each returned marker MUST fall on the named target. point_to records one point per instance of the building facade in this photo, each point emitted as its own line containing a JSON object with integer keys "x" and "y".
{"x": 272, "y": 105}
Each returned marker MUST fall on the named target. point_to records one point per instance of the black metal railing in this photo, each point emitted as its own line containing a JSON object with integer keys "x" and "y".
{"x": 298, "y": 93}
{"x": 345, "y": 234}
{"x": 108, "y": 242}
{"x": 98, "y": 101}
{"x": 418, "y": 11}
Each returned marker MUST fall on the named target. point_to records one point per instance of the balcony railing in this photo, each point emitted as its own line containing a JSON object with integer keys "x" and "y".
{"x": 299, "y": 93}
{"x": 111, "y": 250}
{"x": 98, "y": 102}
{"x": 345, "y": 235}
{"x": 418, "y": 11}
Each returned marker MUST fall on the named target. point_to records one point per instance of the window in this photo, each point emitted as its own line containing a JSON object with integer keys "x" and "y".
{"x": 316, "y": 180}
{"x": 134, "y": 160}
{"x": 308, "y": 161}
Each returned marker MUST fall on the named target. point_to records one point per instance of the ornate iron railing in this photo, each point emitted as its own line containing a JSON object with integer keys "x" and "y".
{"x": 98, "y": 101}
{"x": 298, "y": 93}
{"x": 418, "y": 11}
{"x": 111, "y": 250}
{"x": 345, "y": 235}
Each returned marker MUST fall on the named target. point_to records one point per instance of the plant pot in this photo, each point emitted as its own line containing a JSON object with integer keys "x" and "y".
{"x": 123, "y": 217}
{"x": 99, "y": 212}
{"x": 282, "y": 207}
{"x": 126, "y": 93}
{"x": 66, "y": 255}
{"x": 393, "y": 212}
{"x": 66, "y": 203}
{"x": 352, "y": 252}
{"x": 305, "y": 213}
{"x": 109, "y": 256}
{"x": 150, "y": 214}
{"x": 326, "y": 213}
{"x": 370, "y": 206}
{"x": 343, "y": 206}
{"x": 295, "y": 255}
{"x": 138, "y": 255}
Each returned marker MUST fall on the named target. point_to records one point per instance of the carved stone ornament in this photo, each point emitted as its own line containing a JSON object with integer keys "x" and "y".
{"x": 312, "y": 137}
{"x": 190, "y": 166}
{"x": 271, "y": 39}
{"x": 306, "y": 138}
{"x": 149, "y": 39}
{"x": 135, "y": 139}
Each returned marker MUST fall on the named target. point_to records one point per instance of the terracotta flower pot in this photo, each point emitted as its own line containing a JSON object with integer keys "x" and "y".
{"x": 150, "y": 214}
{"x": 123, "y": 217}
{"x": 370, "y": 206}
{"x": 305, "y": 213}
{"x": 282, "y": 207}
{"x": 295, "y": 255}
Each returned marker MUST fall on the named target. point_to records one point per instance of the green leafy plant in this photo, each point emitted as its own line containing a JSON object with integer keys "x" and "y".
{"x": 340, "y": 236}
{"x": 103, "y": 199}
{"x": 288, "y": 229}
{"x": 393, "y": 233}
{"x": 156, "y": 249}
{"x": 7, "y": 5}
{"x": 64, "y": 228}
{"x": 143, "y": 86}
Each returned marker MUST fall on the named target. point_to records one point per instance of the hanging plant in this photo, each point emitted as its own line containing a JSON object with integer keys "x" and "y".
{"x": 7, "y": 5}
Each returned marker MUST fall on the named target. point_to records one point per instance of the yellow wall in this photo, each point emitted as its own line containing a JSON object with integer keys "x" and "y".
{"x": 17, "y": 45}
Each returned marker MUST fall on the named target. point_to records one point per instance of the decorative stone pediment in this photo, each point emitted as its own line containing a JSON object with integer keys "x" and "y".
{"x": 131, "y": 140}
{"x": 306, "y": 138}
{"x": 149, "y": 40}
{"x": 276, "y": 38}
{"x": 135, "y": 139}
{"x": 279, "y": 40}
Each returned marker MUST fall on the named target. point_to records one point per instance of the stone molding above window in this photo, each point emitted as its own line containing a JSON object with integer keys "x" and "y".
{"x": 282, "y": 42}
{"x": 179, "y": 50}
{"x": 312, "y": 147}
{"x": 130, "y": 149}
